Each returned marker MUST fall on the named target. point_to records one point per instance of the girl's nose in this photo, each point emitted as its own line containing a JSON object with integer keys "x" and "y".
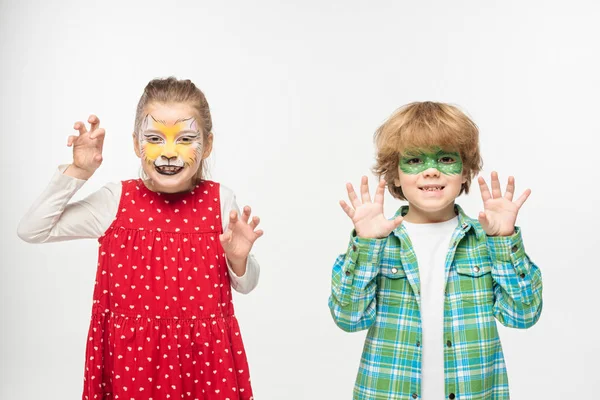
{"x": 169, "y": 157}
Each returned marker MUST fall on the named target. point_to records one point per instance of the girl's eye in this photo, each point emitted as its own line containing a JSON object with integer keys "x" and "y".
{"x": 447, "y": 160}
{"x": 153, "y": 139}
{"x": 186, "y": 139}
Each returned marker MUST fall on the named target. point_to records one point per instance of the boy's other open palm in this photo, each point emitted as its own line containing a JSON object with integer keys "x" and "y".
{"x": 499, "y": 213}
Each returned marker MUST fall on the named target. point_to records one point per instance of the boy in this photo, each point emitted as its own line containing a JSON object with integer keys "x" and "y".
{"x": 429, "y": 283}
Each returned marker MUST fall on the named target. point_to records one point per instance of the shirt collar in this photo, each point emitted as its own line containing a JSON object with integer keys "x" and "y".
{"x": 466, "y": 223}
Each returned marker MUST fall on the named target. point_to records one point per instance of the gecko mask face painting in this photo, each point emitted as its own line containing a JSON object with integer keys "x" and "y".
{"x": 430, "y": 180}
{"x": 172, "y": 146}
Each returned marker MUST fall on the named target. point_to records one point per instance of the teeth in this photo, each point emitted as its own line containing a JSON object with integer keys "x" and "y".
{"x": 432, "y": 189}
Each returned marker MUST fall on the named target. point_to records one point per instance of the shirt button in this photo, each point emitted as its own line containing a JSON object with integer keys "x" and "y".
{"x": 452, "y": 396}
{"x": 418, "y": 343}
{"x": 522, "y": 275}
{"x": 347, "y": 273}
{"x": 353, "y": 247}
{"x": 465, "y": 225}
{"x": 449, "y": 343}
{"x": 394, "y": 270}
{"x": 414, "y": 395}
{"x": 476, "y": 269}
{"x": 514, "y": 248}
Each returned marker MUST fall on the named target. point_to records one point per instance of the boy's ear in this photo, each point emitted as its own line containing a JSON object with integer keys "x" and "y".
{"x": 136, "y": 145}
{"x": 397, "y": 182}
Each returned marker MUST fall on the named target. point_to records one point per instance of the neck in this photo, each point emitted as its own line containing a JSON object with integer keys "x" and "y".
{"x": 416, "y": 215}
{"x": 171, "y": 190}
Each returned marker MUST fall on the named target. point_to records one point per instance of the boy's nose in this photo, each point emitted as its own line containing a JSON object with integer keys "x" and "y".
{"x": 431, "y": 172}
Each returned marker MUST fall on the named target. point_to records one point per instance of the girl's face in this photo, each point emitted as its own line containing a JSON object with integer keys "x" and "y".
{"x": 171, "y": 145}
{"x": 430, "y": 181}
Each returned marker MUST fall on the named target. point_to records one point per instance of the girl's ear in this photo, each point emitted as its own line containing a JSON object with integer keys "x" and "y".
{"x": 208, "y": 146}
{"x": 136, "y": 145}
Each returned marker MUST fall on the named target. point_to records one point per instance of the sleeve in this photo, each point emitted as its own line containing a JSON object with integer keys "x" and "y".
{"x": 517, "y": 282}
{"x": 353, "y": 286}
{"x": 52, "y": 218}
{"x": 249, "y": 280}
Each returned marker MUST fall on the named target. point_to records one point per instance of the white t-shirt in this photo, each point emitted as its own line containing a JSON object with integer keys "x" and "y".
{"x": 430, "y": 244}
{"x": 52, "y": 218}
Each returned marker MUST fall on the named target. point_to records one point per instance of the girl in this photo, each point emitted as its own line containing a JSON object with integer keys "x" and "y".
{"x": 171, "y": 246}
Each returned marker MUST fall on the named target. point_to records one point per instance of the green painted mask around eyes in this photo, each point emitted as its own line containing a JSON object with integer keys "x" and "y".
{"x": 448, "y": 163}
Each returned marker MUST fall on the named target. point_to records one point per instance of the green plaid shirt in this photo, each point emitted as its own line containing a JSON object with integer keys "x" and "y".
{"x": 375, "y": 286}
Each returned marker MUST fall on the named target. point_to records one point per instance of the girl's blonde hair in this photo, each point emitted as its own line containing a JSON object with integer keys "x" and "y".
{"x": 426, "y": 126}
{"x": 173, "y": 90}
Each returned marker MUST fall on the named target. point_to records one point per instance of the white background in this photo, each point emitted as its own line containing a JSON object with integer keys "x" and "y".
{"x": 296, "y": 93}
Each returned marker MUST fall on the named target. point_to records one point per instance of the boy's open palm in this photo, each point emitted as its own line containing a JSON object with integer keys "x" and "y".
{"x": 366, "y": 215}
{"x": 500, "y": 212}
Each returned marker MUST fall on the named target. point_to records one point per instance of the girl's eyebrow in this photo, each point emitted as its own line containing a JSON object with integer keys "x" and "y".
{"x": 187, "y": 131}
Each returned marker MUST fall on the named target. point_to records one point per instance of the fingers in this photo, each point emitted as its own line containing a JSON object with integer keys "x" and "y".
{"x": 98, "y": 134}
{"x": 483, "y": 220}
{"x": 226, "y": 237}
{"x": 259, "y": 233}
{"x": 510, "y": 188}
{"x": 352, "y": 195}
{"x": 254, "y": 223}
{"x": 523, "y": 198}
{"x": 80, "y": 126}
{"x": 233, "y": 217}
{"x": 483, "y": 188}
{"x": 347, "y": 209}
{"x": 496, "y": 191}
{"x": 364, "y": 190}
{"x": 246, "y": 214}
{"x": 379, "y": 193}
{"x": 71, "y": 140}
{"x": 94, "y": 122}
{"x": 397, "y": 221}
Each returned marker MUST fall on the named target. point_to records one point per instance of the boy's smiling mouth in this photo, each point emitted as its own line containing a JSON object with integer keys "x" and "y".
{"x": 432, "y": 188}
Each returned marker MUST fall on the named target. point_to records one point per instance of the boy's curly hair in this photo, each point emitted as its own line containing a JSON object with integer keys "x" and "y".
{"x": 426, "y": 126}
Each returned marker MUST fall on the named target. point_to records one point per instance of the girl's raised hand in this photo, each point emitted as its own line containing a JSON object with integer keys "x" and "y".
{"x": 87, "y": 148}
{"x": 238, "y": 239}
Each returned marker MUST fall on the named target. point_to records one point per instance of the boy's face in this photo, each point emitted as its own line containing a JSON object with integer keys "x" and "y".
{"x": 431, "y": 180}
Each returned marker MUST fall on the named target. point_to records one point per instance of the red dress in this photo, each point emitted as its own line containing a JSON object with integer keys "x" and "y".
{"x": 163, "y": 325}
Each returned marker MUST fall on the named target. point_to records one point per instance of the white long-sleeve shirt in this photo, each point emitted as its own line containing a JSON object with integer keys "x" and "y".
{"x": 52, "y": 218}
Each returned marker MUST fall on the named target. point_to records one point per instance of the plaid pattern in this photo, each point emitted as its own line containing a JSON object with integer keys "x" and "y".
{"x": 375, "y": 286}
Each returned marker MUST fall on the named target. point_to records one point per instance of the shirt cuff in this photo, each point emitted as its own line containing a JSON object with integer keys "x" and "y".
{"x": 508, "y": 249}
{"x": 365, "y": 252}
{"x": 247, "y": 282}
{"x": 61, "y": 178}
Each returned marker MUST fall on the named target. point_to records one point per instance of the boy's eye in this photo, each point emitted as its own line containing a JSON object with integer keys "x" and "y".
{"x": 412, "y": 161}
{"x": 447, "y": 160}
